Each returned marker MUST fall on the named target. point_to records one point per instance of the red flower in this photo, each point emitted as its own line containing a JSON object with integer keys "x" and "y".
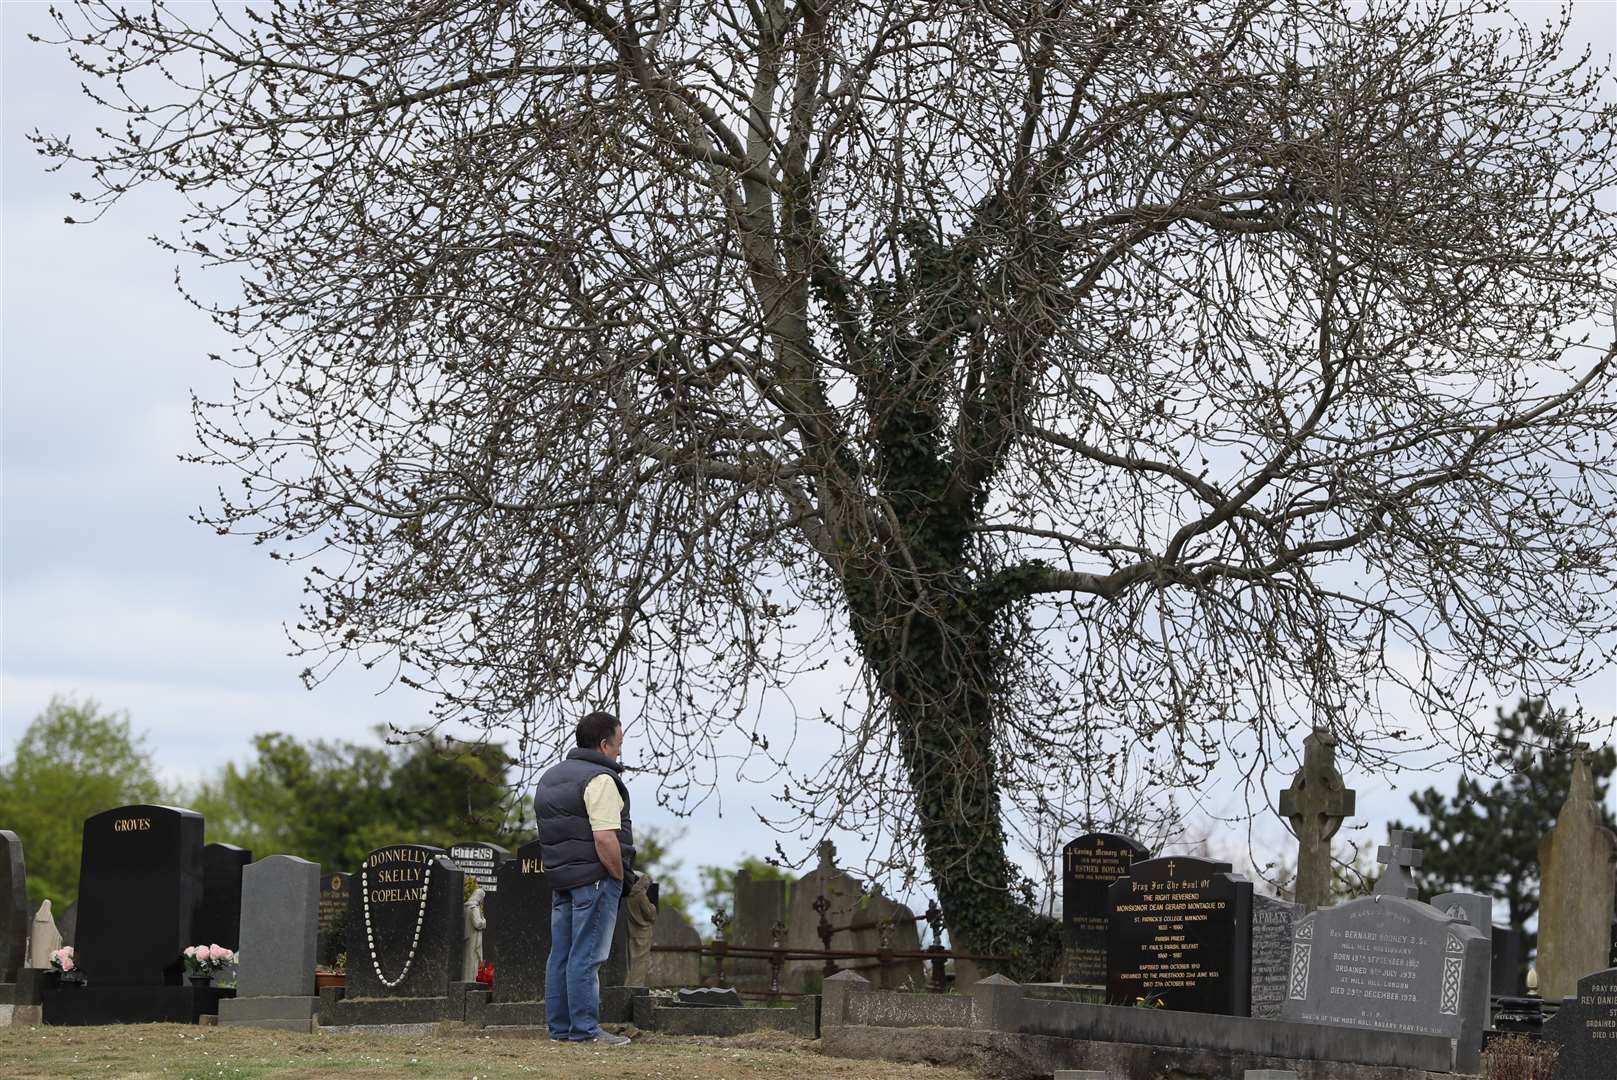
{"x": 485, "y": 973}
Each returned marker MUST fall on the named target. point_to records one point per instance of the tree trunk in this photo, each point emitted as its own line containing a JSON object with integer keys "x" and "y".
{"x": 939, "y": 678}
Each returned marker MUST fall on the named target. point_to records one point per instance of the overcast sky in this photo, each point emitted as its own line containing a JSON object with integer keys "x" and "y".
{"x": 109, "y": 591}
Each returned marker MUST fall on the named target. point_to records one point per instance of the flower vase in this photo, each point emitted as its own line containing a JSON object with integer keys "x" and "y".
{"x": 200, "y": 980}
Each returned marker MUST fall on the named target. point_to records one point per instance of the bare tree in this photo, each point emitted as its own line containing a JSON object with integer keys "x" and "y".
{"x": 1122, "y": 384}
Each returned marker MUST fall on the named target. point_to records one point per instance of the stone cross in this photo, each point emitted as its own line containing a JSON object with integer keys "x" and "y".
{"x": 1399, "y": 858}
{"x": 1314, "y": 807}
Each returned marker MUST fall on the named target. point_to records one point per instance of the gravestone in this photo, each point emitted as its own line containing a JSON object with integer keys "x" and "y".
{"x": 140, "y": 890}
{"x": 404, "y": 919}
{"x": 1272, "y": 922}
{"x": 15, "y": 917}
{"x": 1392, "y": 964}
{"x": 1585, "y": 1029}
{"x": 844, "y": 894}
{"x": 1089, "y": 865}
{"x": 904, "y": 936}
{"x": 1314, "y": 807}
{"x": 481, "y": 861}
{"x": 673, "y": 969}
{"x": 520, "y": 927}
{"x": 333, "y": 940}
{"x": 140, "y": 887}
{"x": 1475, "y": 909}
{"x": 219, "y": 920}
{"x": 280, "y": 926}
{"x": 1181, "y": 929}
{"x": 1576, "y": 893}
{"x": 1397, "y": 858}
{"x": 68, "y": 922}
{"x": 757, "y": 907}
{"x": 1507, "y": 972}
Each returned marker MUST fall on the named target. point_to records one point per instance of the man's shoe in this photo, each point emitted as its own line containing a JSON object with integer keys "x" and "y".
{"x": 607, "y": 1038}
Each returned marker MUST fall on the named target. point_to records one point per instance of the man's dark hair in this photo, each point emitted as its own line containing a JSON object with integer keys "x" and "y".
{"x": 595, "y": 729}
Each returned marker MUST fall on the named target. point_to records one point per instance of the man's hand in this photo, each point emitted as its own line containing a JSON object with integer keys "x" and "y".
{"x": 610, "y": 854}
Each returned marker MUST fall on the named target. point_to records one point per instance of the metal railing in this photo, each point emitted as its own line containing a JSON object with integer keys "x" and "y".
{"x": 934, "y": 955}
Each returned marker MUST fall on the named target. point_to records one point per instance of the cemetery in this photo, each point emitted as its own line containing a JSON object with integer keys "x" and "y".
{"x": 1177, "y": 966}
{"x": 810, "y": 540}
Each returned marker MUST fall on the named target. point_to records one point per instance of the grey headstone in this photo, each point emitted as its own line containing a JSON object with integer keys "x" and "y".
{"x": 842, "y": 892}
{"x": 1390, "y": 964}
{"x": 1398, "y": 856}
{"x": 1475, "y": 909}
{"x": 1081, "y": 1074}
{"x": 759, "y": 905}
{"x": 1585, "y": 1028}
{"x": 1576, "y": 895}
{"x": 280, "y": 924}
{"x": 1271, "y": 953}
{"x": 674, "y": 968}
{"x": 15, "y": 917}
{"x": 1269, "y": 1074}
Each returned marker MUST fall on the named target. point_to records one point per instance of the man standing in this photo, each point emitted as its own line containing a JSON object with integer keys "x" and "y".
{"x": 587, "y": 850}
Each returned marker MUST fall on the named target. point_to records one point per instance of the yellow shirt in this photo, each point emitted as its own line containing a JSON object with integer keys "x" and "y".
{"x": 603, "y": 804}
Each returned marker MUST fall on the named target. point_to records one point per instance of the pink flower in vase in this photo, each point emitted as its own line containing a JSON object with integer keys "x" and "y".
{"x": 218, "y": 953}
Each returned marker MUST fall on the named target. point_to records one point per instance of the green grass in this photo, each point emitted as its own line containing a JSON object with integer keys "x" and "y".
{"x": 175, "y": 1052}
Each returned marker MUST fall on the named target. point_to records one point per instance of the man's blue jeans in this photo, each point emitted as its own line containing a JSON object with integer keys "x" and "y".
{"x": 581, "y": 922}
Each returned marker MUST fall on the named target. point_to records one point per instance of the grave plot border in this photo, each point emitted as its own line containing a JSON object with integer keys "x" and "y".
{"x": 1033, "y": 1035}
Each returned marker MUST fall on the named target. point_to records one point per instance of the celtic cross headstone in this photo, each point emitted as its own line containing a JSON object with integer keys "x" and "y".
{"x": 1314, "y": 807}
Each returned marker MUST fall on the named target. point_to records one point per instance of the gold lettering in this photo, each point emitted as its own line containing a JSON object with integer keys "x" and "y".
{"x": 131, "y": 824}
{"x": 531, "y": 866}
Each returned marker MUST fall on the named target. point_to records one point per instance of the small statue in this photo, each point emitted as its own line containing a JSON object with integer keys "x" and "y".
{"x": 472, "y": 927}
{"x": 43, "y": 938}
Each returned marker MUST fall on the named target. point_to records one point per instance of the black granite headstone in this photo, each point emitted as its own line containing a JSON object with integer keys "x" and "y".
{"x": 1507, "y": 979}
{"x": 404, "y": 924}
{"x": 1181, "y": 931}
{"x": 520, "y": 931}
{"x": 1089, "y": 865}
{"x": 519, "y": 927}
{"x": 14, "y": 914}
{"x": 1585, "y": 1028}
{"x": 140, "y": 886}
{"x": 67, "y": 923}
{"x": 333, "y": 941}
{"x": 219, "y": 921}
{"x": 480, "y": 861}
